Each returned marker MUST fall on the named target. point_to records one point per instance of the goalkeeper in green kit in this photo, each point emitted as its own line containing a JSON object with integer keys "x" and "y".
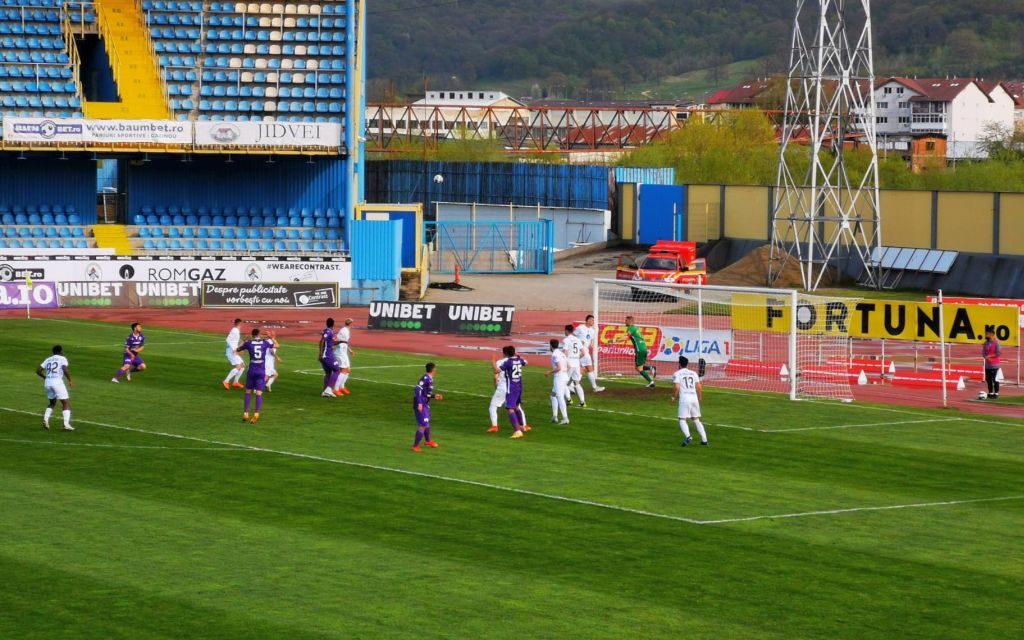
{"x": 648, "y": 372}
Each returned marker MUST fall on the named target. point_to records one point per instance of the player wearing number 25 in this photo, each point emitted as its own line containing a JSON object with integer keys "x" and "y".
{"x": 255, "y": 381}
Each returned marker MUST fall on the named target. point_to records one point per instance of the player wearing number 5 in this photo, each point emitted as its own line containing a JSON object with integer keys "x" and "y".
{"x": 53, "y": 370}
{"x": 421, "y": 398}
{"x": 689, "y": 392}
{"x": 255, "y": 381}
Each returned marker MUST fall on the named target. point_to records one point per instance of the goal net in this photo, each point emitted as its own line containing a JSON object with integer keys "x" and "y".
{"x": 748, "y": 338}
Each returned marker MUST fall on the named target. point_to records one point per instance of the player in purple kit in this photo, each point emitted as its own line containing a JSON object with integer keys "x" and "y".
{"x": 421, "y": 398}
{"x": 255, "y": 381}
{"x": 512, "y": 369}
{"x": 328, "y": 359}
{"x": 132, "y": 361}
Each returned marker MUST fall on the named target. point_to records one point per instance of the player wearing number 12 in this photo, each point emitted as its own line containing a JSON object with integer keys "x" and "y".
{"x": 255, "y": 381}
{"x": 53, "y": 370}
{"x": 689, "y": 392}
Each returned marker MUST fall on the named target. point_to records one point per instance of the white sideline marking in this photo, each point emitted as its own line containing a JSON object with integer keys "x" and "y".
{"x": 863, "y": 424}
{"x": 480, "y": 395}
{"x": 830, "y": 512}
{"x": 526, "y": 492}
{"x": 119, "y": 446}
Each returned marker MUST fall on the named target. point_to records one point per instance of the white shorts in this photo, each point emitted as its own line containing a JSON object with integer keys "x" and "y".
{"x": 270, "y": 369}
{"x": 560, "y": 384}
{"x": 343, "y": 361}
{"x": 586, "y": 360}
{"x": 55, "y": 390}
{"x": 689, "y": 409}
{"x": 498, "y": 399}
{"x": 233, "y": 357}
{"x": 574, "y": 371}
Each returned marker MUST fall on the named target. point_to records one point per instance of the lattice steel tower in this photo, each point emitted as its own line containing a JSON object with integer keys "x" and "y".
{"x": 827, "y": 215}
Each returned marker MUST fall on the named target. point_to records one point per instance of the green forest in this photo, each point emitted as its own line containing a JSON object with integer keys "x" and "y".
{"x": 615, "y": 48}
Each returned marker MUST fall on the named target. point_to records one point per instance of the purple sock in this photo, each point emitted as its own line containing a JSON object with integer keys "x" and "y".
{"x": 120, "y": 372}
{"x": 333, "y": 379}
{"x": 247, "y": 403}
{"x": 327, "y": 380}
{"x": 419, "y": 437}
{"x": 513, "y": 417}
{"x": 259, "y": 403}
{"x": 426, "y": 434}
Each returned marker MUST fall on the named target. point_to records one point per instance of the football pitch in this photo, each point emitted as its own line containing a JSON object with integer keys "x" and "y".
{"x": 164, "y": 516}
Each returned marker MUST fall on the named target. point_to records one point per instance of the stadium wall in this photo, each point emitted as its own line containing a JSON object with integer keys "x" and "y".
{"x": 289, "y": 182}
{"x": 45, "y": 179}
{"x": 971, "y": 222}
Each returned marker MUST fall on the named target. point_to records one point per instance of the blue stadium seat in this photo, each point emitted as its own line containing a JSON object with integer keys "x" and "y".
{"x": 203, "y": 245}
{"x": 215, "y": 245}
{"x": 188, "y": 244}
{"x": 148, "y": 245}
{"x": 293, "y": 234}
{"x": 156, "y": 232}
{"x": 216, "y": 233}
{"x": 77, "y": 232}
{"x": 229, "y": 245}
{"x": 243, "y": 220}
{"x": 203, "y": 232}
{"x": 229, "y": 233}
{"x": 173, "y": 232}
{"x": 161, "y": 245}
{"x": 138, "y": 219}
{"x": 319, "y": 247}
{"x": 143, "y": 232}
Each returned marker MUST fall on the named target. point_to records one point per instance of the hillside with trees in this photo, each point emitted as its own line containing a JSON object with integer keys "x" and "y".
{"x": 614, "y": 48}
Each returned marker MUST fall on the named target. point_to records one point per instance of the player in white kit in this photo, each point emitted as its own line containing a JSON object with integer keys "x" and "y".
{"x": 343, "y": 352}
{"x": 587, "y": 333}
{"x": 500, "y": 392}
{"x": 53, "y": 370}
{"x": 270, "y": 367}
{"x": 572, "y": 347}
{"x": 231, "y": 353}
{"x": 689, "y": 392}
{"x": 559, "y": 373}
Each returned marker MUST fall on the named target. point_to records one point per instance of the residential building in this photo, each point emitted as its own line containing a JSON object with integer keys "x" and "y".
{"x": 1016, "y": 90}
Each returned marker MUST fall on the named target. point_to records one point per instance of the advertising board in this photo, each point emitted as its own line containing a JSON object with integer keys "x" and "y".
{"x": 478, "y": 319}
{"x": 269, "y": 295}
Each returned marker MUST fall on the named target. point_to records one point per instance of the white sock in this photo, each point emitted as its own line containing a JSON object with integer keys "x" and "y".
{"x": 522, "y": 416}
{"x": 563, "y": 408}
{"x": 554, "y": 406}
{"x": 47, "y": 414}
{"x": 579, "y": 393}
{"x": 342, "y": 379}
{"x": 492, "y": 411}
{"x": 592, "y": 376}
{"x": 700, "y": 429}
{"x": 685, "y": 427}
{"x": 231, "y": 374}
{"x": 270, "y": 382}
{"x": 67, "y": 417}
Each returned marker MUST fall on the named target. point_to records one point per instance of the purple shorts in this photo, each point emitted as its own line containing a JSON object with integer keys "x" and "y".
{"x": 134, "y": 360}
{"x": 330, "y": 366}
{"x": 255, "y": 380}
{"x": 513, "y": 398}
{"x": 422, "y": 417}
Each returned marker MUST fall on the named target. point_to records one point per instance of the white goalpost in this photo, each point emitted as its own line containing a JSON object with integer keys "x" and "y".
{"x": 754, "y": 339}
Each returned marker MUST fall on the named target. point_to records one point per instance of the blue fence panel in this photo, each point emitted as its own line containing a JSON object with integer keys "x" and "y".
{"x": 491, "y": 247}
{"x": 646, "y": 175}
{"x": 407, "y": 181}
{"x": 376, "y": 249}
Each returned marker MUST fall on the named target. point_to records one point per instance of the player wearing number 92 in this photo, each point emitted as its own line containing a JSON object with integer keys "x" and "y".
{"x": 256, "y": 379}
{"x": 53, "y": 370}
{"x": 688, "y": 390}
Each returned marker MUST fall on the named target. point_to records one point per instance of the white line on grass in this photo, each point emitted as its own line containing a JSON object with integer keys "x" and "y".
{"x": 858, "y": 425}
{"x": 120, "y": 446}
{"x": 363, "y": 465}
{"x": 830, "y": 512}
{"x": 526, "y": 492}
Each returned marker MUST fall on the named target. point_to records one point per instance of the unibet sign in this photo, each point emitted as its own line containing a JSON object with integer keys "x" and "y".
{"x": 888, "y": 319}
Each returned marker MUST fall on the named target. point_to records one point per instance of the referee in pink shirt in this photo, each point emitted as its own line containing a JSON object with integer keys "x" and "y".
{"x": 991, "y": 351}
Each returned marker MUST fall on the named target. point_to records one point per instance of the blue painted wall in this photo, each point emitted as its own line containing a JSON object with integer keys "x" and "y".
{"x": 376, "y": 249}
{"x": 246, "y": 181}
{"x": 46, "y": 180}
{"x": 407, "y": 181}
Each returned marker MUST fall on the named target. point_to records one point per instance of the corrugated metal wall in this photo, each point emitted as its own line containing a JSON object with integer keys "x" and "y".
{"x": 376, "y": 249}
{"x": 244, "y": 182}
{"x": 570, "y": 226}
{"x": 571, "y": 186}
{"x": 47, "y": 180}
{"x": 646, "y": 175}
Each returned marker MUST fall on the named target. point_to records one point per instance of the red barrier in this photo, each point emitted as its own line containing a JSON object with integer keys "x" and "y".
{"x": 871, "y": 366}
{"x": 855, "y": 375}
{"x": 927, "y": 379}
{"x": 758, "y": 368}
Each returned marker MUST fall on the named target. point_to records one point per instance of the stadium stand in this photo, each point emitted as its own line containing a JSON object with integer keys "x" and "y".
{"x": 42, "y": 226}
{"x": 37, "y": 78}
{"x": 251, "y": 61}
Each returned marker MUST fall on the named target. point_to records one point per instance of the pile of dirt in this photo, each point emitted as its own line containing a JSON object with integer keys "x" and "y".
{"x": 752, "y": 271}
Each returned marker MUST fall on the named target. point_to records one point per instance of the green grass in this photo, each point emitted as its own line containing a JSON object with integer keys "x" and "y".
{"x": 177, "y": 521}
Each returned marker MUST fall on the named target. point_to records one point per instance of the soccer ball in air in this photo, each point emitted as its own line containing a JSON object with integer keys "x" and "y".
{"x": 438, "y": 179}
{"x": 982, "y": 395}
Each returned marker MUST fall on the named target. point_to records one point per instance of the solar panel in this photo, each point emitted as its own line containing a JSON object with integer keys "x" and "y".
{"x": 946, "y": 262}
{"x": 916, "y": 259}
{"x": 902, "y": 258}
{"x": 889, "y": 257}
{"x": 930, "y": 261}
{"x": 876, "y": 255}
